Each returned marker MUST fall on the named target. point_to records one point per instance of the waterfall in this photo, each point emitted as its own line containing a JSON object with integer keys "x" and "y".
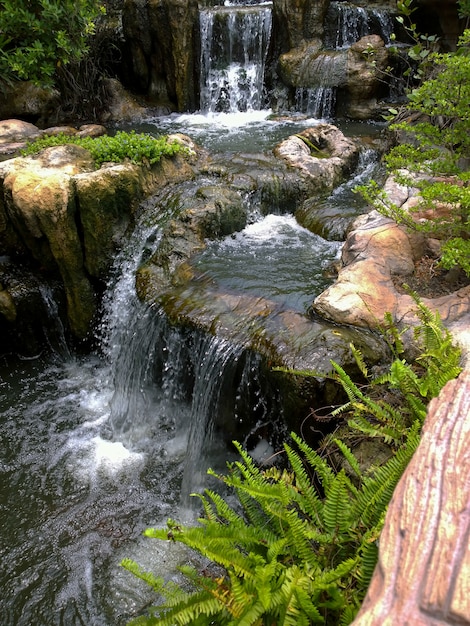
{"x": 234, "y": 44}
{"x": 346, "y": 23}
{"x": 317, "y": 102}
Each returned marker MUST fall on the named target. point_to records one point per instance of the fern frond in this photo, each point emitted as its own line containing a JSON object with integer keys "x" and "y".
{"x": 337, "y": 504}
{"x": 305, "y": 494}
{"x": 155, "y": 582}
{"x": 378, "y": 489}
{"x": 321, "y": 467}
{"x": 350, "y": 458}
{"x": 359, "y": 358}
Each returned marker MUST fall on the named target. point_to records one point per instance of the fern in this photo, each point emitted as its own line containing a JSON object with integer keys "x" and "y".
{"x": 303, "y": 546}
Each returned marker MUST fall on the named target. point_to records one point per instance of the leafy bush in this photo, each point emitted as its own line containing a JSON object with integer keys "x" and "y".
{"x": 135, "y": 147}
{"x": 434, "y": 154}
{"x": 301, "y": 545}
{"x": 39, "y": 36}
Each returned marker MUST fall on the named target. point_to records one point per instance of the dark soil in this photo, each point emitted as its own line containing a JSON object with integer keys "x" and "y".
{"x": 431, "y": 281}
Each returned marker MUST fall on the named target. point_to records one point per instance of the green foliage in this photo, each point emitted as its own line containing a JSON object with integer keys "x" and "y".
{"x": 39, "y": 36}
{"x": 297, "y": 555}
{"x": 388, "y": 405}
{"x": 135, "y": 147}
{"x": 301, "y": 544}
{"x": 433, "y": 155}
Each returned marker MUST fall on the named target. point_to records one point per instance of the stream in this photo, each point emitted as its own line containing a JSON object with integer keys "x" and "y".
{"x": 95, "y": 448}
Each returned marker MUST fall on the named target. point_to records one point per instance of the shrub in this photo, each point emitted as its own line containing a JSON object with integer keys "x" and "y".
{"x": 39, "y": 36}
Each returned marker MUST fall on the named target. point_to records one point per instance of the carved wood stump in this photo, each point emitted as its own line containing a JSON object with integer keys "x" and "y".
{"x": 423, "y": 573}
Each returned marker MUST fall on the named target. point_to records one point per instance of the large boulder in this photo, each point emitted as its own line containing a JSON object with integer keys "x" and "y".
{"x": 59, "y": 213}
{"x": 321, "y": 153}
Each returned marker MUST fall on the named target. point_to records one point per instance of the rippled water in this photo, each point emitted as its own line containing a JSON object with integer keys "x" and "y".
{"x": 274, "y": 258}
{"x": 95, "y": 448}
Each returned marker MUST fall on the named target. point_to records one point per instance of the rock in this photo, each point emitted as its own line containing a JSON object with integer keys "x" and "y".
{"x": 70, "y": 218}
{"x": 311, "y": 66}
{"x": 91, "y": 130}
{"x": 14, "y": 135}
{"x": 7, "y": 305}
{"x": 23, "y": 99}
{"x": 299, "y": 21}
{"x": 162, "y": 37}
{"x": 41, "y": 204}
{"x": 122, "y": 106}
{"x": 423, "y": 574}
{"x": 107, "y": 199}
{"x": 54, "y": 131}
{"x": 367, "y": 60}
{"x": 321, "y": 153}
{"x": 376, "y": 251}
{"x": 16, "y": 130}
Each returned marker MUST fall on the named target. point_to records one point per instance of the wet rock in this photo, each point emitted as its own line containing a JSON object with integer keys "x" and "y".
{"x": 311, "y": 66}
{"x": 40, "y": 202}
{"x": 7, "y": 305}
{"x": 321, "y": 153}
{"x": 205, "y": 211}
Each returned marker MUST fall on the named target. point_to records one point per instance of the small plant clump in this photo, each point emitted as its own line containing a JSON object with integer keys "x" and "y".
{"x": 123, "y": 146}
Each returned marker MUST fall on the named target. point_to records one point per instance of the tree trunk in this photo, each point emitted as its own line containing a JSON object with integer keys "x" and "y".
{"x": 423, "y": 573}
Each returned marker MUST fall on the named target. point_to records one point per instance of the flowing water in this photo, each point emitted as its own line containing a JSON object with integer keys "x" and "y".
{"x": 95, "y": 448}
{"x": 234, "y": 44}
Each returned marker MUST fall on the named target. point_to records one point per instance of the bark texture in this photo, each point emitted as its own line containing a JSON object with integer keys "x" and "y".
{"x": 423, "y": 574}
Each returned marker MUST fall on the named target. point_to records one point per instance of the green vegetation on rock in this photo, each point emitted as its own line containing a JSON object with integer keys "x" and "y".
{"x": 134, "y": 147}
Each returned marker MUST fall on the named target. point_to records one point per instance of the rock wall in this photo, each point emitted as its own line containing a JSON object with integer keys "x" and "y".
{"x": 60, "y": 215}
{"x": 162, "y": 44}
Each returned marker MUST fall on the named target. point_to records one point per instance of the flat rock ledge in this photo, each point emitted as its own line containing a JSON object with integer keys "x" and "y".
{"x": 377, "y": 255}
{"x": 423, "y": 574}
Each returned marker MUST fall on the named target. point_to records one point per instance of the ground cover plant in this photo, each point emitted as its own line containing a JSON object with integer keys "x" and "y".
{"x": 132, "y": 146}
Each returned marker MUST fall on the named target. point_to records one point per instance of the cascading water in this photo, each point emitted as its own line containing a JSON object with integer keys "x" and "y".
{"x": 234, "y": 44}
{"x": 316, "y": 102}
{"x": 95, "y": 448}
{"x": 346, "y": 23}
